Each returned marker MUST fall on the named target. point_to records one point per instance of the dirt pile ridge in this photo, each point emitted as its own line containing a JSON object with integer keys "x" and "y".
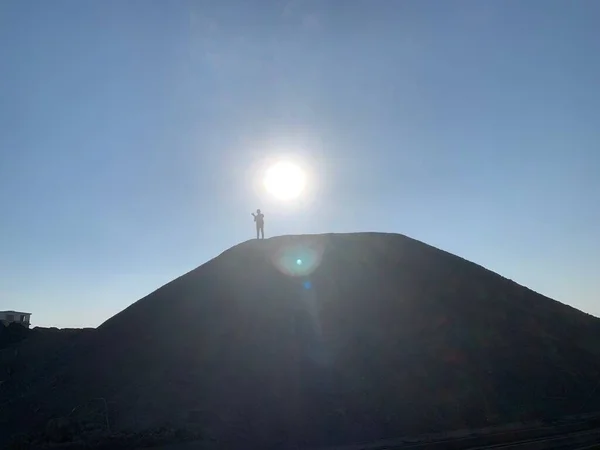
{"x": 319, "y": 340}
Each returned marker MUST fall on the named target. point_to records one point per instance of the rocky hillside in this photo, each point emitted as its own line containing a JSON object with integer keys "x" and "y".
{"x": 318, "y": 340}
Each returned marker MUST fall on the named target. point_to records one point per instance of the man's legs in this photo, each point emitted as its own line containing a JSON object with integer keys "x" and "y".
{"x": 257, "y": 231}
{"x": 262, "y": 231}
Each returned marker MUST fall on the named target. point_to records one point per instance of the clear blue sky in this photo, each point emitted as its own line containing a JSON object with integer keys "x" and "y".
{"x": 131, "y": 132}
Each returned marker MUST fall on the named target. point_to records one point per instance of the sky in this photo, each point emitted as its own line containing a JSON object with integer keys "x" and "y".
{"x": 133, "y": 135}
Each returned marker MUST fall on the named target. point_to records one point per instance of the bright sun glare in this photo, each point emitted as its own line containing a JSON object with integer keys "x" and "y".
{"x": 285, "y": 180}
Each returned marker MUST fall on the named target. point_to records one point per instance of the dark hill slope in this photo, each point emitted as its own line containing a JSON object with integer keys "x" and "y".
{"x": 327, "y": 339}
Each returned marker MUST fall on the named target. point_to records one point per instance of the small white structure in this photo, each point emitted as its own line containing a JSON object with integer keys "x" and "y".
{"x": 8, "y": 317}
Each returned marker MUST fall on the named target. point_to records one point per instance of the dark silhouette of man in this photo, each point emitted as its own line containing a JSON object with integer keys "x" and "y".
{"x": 259, "y": 218}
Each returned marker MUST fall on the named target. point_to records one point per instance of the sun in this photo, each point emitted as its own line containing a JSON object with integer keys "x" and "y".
{"x": 285, "y": 180}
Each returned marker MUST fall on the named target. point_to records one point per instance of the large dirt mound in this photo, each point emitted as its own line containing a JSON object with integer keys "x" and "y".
{"x": 322, "y": 340}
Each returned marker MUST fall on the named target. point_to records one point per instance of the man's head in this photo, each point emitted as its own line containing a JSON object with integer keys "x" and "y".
{"x": 258, "y": 211}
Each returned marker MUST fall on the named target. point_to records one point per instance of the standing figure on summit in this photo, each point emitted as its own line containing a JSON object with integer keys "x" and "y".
{"x": 259, "y": 218}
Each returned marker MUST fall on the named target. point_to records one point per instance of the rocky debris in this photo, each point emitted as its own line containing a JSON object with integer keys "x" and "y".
{"x": 60, "y": 429}
{"x": 12, "y": 334}
{"x": 31, "y": 354}
{"x": 313, "y": 341}
{"x": 64, "y": 434}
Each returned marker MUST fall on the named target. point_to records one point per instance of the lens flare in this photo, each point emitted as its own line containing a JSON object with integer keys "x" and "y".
{"x": 297, "y": 259}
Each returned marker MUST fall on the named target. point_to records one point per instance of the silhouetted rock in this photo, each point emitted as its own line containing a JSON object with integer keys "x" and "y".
{"x": 322, "y": 340}
{"x": 12, "y": 334}
{"x": 60, "y": 429}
